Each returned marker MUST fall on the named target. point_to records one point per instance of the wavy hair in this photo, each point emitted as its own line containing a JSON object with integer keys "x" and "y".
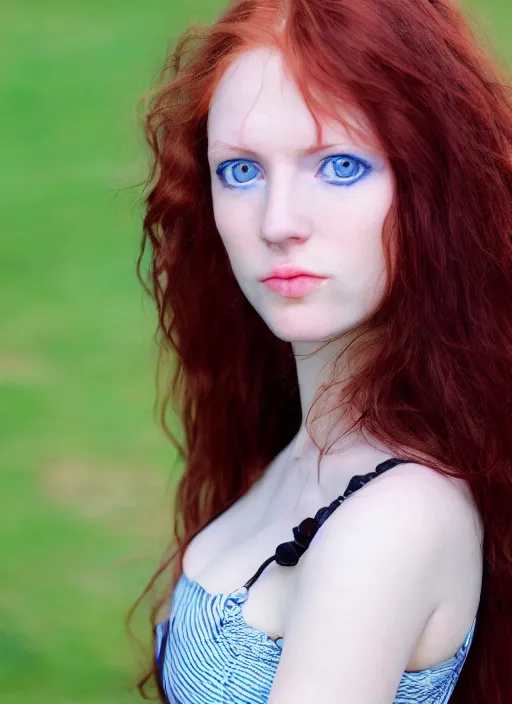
{"x": 441, "y": 385}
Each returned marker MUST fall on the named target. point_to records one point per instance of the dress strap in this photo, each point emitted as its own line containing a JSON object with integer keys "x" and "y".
{"x": 288, "y": 554}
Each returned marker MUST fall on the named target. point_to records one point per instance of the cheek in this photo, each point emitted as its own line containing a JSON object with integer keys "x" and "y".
{"x": 356, "y": 221}
{"x": 236, "y": 222}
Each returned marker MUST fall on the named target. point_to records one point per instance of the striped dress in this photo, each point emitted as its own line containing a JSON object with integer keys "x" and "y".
{"x": 207, "y": 654}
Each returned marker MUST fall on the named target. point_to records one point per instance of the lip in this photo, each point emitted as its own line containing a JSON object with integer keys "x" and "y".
{"x": 291, "y": 282}
{"x": 286, "y": 271}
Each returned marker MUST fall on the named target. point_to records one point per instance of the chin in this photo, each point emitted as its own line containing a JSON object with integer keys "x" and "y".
{"x": 307, "y": 329}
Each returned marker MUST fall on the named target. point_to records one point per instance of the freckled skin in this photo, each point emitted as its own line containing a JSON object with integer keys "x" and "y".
{"x": 274, "y": 204}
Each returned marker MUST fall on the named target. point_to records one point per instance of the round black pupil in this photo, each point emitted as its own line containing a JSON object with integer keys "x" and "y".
{"x": 245, "y": 168}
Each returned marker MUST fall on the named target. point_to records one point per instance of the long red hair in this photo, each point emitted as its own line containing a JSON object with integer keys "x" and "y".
{"x": 441, "y": 385}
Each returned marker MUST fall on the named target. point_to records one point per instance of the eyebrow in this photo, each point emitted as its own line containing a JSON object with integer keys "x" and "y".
{"x": 305, "y": 152}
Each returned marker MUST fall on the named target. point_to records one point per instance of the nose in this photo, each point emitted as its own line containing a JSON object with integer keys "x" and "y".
{"x": 284, "y": 219}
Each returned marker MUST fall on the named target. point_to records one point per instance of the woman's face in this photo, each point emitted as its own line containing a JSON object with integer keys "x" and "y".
{"x": 282, "y": 206}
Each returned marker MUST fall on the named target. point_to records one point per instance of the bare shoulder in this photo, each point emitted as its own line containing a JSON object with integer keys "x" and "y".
{"x": 446, "y": 500}
{"x": 429, "y": 501}
{"x": 427, "y": 516}
{"x": 415, "y": 508}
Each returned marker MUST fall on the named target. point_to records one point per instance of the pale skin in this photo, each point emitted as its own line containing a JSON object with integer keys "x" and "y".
{"x": 392, "y": 580}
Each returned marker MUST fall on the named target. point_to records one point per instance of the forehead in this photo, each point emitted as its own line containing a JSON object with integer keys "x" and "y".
{"x": 258, "y": 106}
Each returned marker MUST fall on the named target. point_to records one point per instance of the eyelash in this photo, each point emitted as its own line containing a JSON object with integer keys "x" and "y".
{"x": 364, "y": 168}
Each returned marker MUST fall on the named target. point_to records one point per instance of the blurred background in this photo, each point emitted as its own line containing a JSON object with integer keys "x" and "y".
{"x": 86, "y": 475}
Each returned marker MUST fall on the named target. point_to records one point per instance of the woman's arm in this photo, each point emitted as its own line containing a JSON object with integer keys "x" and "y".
{"x": 371, "y": 579}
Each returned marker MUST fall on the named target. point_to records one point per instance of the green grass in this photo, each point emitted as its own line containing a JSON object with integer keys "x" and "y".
{"x": 86, "y": 475}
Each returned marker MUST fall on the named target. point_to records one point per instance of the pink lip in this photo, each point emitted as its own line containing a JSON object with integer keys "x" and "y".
{"x": 286, "y": 271}
{"x": 291, "y": 282}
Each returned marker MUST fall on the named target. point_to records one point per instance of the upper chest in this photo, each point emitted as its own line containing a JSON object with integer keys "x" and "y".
{"x": 230, "y": 549}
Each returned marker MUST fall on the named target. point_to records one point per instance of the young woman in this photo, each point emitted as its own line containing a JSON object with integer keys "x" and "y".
{"x": 329, "y": 217}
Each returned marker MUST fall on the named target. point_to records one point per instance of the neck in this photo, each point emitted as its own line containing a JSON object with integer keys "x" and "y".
{"x": 318, "y": 366}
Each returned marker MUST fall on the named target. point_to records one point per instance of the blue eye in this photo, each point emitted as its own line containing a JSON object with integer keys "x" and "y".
{"x": 344, "y": 170}
{"x": 238, "y": 173}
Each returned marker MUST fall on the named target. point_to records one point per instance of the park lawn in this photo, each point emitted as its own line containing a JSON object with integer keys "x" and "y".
{"x": 87, "y": 476}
